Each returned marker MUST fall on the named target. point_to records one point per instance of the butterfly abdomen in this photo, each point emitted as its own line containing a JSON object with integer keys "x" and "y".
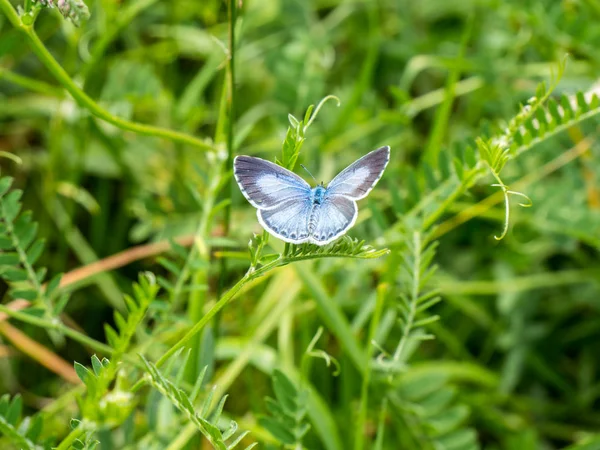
{"x": 317, "y": 197}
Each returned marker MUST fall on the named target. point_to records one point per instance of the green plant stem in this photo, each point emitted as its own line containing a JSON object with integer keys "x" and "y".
{"x": 520, "y": 284}
{"x": 83, "y": 250}
{"x": 381, "y": 425}
{"x": 61, "y": 328}
{"x": 232, "y": 105}
{"x": 442, "y": 116}
{"x": 223, "y": 301}
{"x": 469, "y": 178}
{"x": 38, "y": 47}
{"x": 334, "y": 318}
{"x": 67, "y": 442}
{"x": 359, "y": 437}
{"x": 31, "y": 83}
{"x": 125, "y": 15}
{"x": 251, "y": 275}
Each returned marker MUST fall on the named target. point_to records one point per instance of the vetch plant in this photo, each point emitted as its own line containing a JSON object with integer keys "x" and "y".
{"x": 125, "y": 245}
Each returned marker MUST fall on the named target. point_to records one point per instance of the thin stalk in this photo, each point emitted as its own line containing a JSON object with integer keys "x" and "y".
{"x": 125, "y": 15}
{"x": 359, "y": 437}
{"x": 232, "y": 105}
{"x": 485, "y": 204}
{"x": 442, "y": 116}
{"x": 230, "y": 86}
{"x": 38, "y": 47}
{"x": 251, "y": 275}
{"x": 68, "y": 441}
{"x": 223, "y": 301}
{"x": 61, "y": 328}
{"x": 381, "y": 425}
{"x": 31, "y": 83}
{"x": 200, "y": 251}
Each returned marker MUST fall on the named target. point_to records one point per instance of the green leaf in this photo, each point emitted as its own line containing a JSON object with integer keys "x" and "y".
{"x": 35, "y": 251}
{"x": 111, "y": 336}
{"x": 40, "y": 274}
{"x": 11, "y": 205}
{"x": 461, "y": 439}
{"x": 53, "y": 284}
{"x": 449, "y": 419}
{"x": 417, "y": 388}
{"x": 285, "y": 391}
{"x": 4, "y": 403}
{"x": 84, "y": 374}
{"x": 35, "y": 429}
{"x": 15, "y": 275}
{"x": 5, "y": 184}
{"x": 277, "y": 430}
{"x": 6, "y": 243}
{"x": 9, "y": 259}
{"x": 14, "y": 410}
{"x": 96, "y": 365}
{"x": 26, "y": 294}
{"x": 120, "y": 321}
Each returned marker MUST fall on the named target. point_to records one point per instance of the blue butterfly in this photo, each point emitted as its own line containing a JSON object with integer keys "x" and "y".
{"x": 291, "y": 210}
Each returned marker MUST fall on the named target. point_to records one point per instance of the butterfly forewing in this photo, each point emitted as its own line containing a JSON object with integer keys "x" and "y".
{"x": 357, "y": 180}
{"x": 267, "y": 185}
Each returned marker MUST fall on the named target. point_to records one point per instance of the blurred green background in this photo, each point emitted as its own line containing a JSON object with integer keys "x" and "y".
{"x": 516, "y": 359}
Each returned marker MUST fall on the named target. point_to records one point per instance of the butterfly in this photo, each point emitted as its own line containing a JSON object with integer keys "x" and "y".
{"x": 291, "y": 210}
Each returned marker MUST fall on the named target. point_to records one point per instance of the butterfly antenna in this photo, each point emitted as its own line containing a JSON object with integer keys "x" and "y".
{"x": 302, "y": 165}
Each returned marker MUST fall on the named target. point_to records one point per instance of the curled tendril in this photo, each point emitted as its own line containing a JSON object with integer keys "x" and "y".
{"x": 506, "y": 192}
{"x": 529, "y": 203}
{"x": 314, "y": 114}
{"x": 329, "y": 360}
{"x": 11, "y": 156}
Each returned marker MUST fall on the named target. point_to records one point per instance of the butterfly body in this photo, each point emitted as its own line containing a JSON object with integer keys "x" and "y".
{"x": 318, "y": 193}
{"x": 293, "y": 211}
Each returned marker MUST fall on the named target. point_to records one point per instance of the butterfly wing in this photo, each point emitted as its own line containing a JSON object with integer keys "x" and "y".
{"x": 338, "y": 211}
{"x": 266, "y": 185}
{"x": 332, "y": 218}
{"x": 288, "y": 220}
{"x": 357, "y": 180}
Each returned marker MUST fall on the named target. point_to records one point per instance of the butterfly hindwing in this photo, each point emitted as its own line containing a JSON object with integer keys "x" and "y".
{"x": 332, "y": 218}
{"x": 357, "y": 180}
{"x": 266, "y": 185}
{"x": 288, "y": 221}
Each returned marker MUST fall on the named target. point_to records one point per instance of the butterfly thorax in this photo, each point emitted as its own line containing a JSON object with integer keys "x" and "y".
{"x": 318, "y": 194}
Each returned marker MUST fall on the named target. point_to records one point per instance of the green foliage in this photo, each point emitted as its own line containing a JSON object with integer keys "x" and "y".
{"x": 287, "y": 419}
{"x": 20, "y": 249}
{"x": 556, "y": 116}
{"x": 181, "y": 265}
{"x": 103, "y": 404}
{"x": 414, "y": 299}
{"x": 125, "y": 129}
{"x": 205, "y": 418}
{"x": 22, "y": 432}
{"x": 144, "y": 293}
{"x": 432, "y": 415}
{"x": 296, "y": 133}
